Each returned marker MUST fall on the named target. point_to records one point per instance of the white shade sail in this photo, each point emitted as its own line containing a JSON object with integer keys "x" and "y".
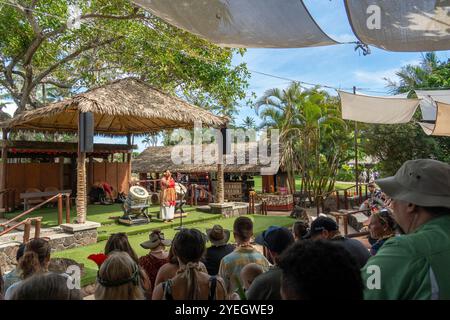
{"x": 243, "y": 24}
{"x": 428, "y": 101}
{"x": 381, "y": 110}
{"x": 401, "y": 25}
{"x": 442, "y": 125}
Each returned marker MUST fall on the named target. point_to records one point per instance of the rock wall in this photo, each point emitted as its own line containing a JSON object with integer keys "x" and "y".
{"x": 58, "y": 242}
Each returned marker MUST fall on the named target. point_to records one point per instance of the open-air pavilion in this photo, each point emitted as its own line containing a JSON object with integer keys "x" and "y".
{"x": 122, "y": 108}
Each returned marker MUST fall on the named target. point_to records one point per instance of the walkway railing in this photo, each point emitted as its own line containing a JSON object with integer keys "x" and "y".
{"x": 27, "y": 229}
{"x": 9, "y": 199}
{"x": 27, "y": 222}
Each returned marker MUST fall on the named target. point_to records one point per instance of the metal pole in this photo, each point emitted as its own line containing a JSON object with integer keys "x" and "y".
{"x": 356, "y": 150}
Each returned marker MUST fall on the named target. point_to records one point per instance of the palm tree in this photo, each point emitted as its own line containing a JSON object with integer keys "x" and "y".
{"x": 414, "y": 76}
{"x": 249, "y": 123}
{"x": 278, "y": 110}
{"x": 312, "y": 134}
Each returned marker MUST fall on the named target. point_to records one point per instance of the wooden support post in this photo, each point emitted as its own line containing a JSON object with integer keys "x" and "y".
{"x": 90, "y": 172}
{"x": 60, "y": 209}
{"x": 345, "y": 221}
{"x": 61, "y": 173}
{"x": 366, "y": 196}
{"x": 345, "y": 200}
{"x": 360, "y": 194}
{"x": 338, "y": 201}
{"x": 26, "y": 231}
{"x": 4, "y": 167}
{"x": 37, "y": 228}
{"x": 67, "y": 208}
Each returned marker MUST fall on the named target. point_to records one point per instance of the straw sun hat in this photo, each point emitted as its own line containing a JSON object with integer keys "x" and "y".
{"x": 156, "y": 239}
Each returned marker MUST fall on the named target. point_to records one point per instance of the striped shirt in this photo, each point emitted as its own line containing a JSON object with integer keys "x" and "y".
{"x": 232, "y": 264}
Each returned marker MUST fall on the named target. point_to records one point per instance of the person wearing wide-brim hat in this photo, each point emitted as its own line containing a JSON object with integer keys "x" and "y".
{"x": 219, "y": 237}
{"x": 414, "y": 265}
{"x": 157, "y": 256}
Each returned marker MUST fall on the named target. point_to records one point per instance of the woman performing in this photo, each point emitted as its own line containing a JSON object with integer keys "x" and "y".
{"x": 168, "y": 197}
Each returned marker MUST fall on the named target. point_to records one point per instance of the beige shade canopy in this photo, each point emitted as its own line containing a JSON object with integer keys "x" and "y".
{"x": 401, "y": 25}
{"x": 442, "y": 125}
{"x": 243, "y": 23}
{"x": 126, "y": 106}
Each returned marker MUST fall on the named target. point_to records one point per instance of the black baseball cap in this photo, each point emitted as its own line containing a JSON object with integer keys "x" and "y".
{"x": 276, "y": 239}
{"x": 320, "y": 224}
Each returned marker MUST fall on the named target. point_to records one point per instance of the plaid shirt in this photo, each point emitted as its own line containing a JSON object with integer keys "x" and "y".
{"x": 232, "y": 264}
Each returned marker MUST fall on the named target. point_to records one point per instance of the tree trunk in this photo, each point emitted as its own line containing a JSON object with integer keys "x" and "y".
{"x": 81, "y": 188}
{"x": 220, "y": 184}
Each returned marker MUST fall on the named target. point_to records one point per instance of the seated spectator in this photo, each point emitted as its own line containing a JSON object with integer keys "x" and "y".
{"x": 324, "y": 228}
{"x": 220, "y": 247}
{"x": 300, "y": 229}
{"x": 170, "y": 269}
{"x": 381, "y": 227}
{"x": 267, "y": 286}
{"x": 232, "y": 264}
{"x": 157, "y": 257}
{"x": 36, "y": 259}
{"x": 119, "y": 242}
{"x": 313, "y": 270}
{"x": 249, "y": 274}
{"x": 414, "y": 265}
{"x": 46, "y": 286}
{"x": 190, "y": 283}
{"x": 119, "y": 278}
{"x": 14, "y": 275}
{"x": 375, "y": 198}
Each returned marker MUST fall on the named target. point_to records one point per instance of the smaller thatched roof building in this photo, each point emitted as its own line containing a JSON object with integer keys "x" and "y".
{"x": 126, "y": 106}
{"x": 158, "y": 159}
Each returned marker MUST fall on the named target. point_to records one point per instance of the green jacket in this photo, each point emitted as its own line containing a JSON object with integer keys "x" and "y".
{"x": 413, "y": 266}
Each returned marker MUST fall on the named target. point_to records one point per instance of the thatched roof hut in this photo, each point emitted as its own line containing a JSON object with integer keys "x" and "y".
{"x": 123, "y": 107}
{"x": 126, "y": 106}
{"x": 158, "y": 159}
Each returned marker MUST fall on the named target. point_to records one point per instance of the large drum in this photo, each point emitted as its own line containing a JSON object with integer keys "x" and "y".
{"x": 137, "y": 201}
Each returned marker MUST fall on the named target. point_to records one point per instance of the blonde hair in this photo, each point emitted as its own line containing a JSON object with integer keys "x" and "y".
{"x": 249, "y": 273}
{"x": 119, "y": 279}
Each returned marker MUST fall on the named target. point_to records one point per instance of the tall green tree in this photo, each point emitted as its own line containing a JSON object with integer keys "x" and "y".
{"x": 43, "y": 46}
{"x": 314, "y": 140}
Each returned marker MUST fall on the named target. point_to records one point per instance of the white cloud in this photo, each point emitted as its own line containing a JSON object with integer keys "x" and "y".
{"x": 377, "y": 78}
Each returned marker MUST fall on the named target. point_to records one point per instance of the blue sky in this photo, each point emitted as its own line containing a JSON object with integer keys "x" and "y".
{"x": 338, "y": 66}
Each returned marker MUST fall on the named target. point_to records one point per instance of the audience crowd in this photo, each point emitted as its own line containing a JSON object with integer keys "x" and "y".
{"x": 408, "y": 258}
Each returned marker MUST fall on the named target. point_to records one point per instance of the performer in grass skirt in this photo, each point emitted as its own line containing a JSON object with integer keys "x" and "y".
{"x": 168, "y": 197}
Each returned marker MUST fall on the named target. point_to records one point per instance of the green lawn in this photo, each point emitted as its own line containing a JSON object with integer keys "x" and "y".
{"x": 80, "y": 254}
{"x": 338, "y": 185}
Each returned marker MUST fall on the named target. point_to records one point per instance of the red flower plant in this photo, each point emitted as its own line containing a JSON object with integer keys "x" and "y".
{"x": 98, "y": 258}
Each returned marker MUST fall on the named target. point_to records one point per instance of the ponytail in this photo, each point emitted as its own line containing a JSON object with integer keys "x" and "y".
{"x": 190, "y": 273}
{"x": 29, "y": 264}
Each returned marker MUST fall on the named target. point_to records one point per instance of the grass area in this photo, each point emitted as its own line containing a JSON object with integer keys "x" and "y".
{"x": 339, "y": 185}
{"x": 80, "y": 254}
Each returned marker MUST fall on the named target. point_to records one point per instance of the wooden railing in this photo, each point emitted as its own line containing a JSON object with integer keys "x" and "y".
{"x": 28, "y": 221}
{"x": 9, "y": 199}
{"x": 253, "y": 197}
{"x": 27, "y": 229}
{"x": 193, "y": 188}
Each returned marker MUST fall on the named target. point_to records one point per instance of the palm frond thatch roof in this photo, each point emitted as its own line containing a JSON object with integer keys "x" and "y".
{"x": 158, "y": 159}
{"x": 126, "y": 106}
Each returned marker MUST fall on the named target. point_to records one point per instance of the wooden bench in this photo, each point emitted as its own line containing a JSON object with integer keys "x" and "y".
{"x": 26, "y": 196}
